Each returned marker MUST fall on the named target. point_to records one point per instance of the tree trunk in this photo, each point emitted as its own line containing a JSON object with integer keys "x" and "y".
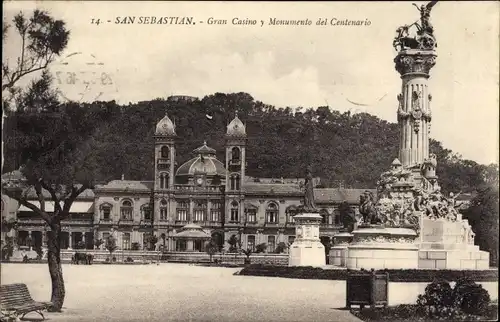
{"x": 55, "y": 269}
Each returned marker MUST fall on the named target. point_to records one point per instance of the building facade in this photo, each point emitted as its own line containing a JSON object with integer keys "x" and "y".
{"x": 203, "y": 198}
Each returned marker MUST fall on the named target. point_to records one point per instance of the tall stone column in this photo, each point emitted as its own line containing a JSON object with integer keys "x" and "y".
{"x": 414, "y": 112}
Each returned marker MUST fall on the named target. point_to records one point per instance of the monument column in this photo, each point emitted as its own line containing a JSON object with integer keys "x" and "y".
{"x": 414, "y": 114}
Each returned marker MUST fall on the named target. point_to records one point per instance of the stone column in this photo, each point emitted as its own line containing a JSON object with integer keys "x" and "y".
{"x": 70, "y": 240}
{"x": 30, "y": 239}
{"x": 190, "y": 213}
{"x": 414, "y": 113}
{"x": 83, "y": 240}
{"x": 190, "y": 245}
{"x": 44, "y": 238}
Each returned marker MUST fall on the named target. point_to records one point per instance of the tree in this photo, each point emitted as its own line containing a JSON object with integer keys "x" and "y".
{"x": 98, "y": 243}
{"x": 233, "y": 244}
{"x": 111, "y": 245}
{"x": 483, "y": 216}
{"x": 211, "y": 248}
{"x": 43, "y": 38}
{"x": 152, "y": 240}
{"x": 247, "y": 253}
{"x": 280, "y": 248}
{"x": 57, "y": 156}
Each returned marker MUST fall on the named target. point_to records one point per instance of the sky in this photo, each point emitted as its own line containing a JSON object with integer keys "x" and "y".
{"x": 344, "y": 67}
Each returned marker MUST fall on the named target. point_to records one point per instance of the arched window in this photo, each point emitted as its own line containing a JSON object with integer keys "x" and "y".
{"x": 163, "y": 180}
{"x": 234, "y": 182}
{"x": 105, "y": 211}
{"x": 272, "y": 213}
{"x": 163, "y": 210}
{"x": 235, "y": 154}
{"x": 126, "y": 210}
{"x": 164, "y": 152}
{"x": 146, "y": 212}
{"x": 234, "y": 211}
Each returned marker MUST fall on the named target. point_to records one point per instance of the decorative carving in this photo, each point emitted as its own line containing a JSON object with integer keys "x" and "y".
{"x": 377, "y": 239}
{"x": 402, "y": 115}
{"x": 419, "y": 62}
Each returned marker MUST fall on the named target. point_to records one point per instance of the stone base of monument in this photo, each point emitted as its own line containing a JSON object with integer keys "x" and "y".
{"x": 307, "y": 249}
{"x": 448, "y": 244}
{"x": 453, "y": 259}
{"x": 381, "y": 247}
{"x": 307, "y": 253}
{"x": 338, "y": 253}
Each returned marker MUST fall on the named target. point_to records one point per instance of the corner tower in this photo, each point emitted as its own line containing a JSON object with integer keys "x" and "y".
{"x": 235, "y": 154}
{"x": 164, "y": 154}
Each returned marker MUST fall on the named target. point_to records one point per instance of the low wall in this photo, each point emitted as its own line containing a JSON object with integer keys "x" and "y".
{"x": 270, "y": 259}
{"x": 180, "y": 257}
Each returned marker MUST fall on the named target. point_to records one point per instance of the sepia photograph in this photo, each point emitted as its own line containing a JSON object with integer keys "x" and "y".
{"x": 250, "y": 161}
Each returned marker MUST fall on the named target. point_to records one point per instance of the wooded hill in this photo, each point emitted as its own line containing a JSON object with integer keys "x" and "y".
{"x": 342, "y": 148}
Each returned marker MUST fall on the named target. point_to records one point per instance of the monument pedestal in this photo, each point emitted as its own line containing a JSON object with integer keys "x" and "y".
{"x": 338, "y": 253}
{"x": 381, "y": 247}
{"x": 446, "y": 244}
{"x": 307, "y": 249}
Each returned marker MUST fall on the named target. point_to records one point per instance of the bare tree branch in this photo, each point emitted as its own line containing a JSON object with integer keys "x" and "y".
{"x": 22, "y": 200}
{"x": 75, "y": 192}
{"x": 57, "y": 205}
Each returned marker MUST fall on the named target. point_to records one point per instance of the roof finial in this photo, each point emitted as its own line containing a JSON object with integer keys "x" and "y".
{"x": 123, "y": 176}
{"x": 204, "y": 142}
{"x": 236, "y": 114}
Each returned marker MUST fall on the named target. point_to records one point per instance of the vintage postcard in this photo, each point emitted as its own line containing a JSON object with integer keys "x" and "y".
{"x": 249, "y": 161}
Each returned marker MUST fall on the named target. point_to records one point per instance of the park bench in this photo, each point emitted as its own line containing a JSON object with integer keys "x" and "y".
{"x": 15, "y": 300}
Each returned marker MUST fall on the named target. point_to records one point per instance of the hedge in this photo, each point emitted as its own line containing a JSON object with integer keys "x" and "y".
{"x": 395, "y": 275}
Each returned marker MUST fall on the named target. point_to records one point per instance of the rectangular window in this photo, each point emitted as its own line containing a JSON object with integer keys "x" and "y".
{"x": 106, "y": 213}
{"x": 271, "y": 243}
{"x": 251, "y": 242}
{"x": 126, "y": 241}
{"x": 272, "y": 217}
{"x": 215, "y": 215}
{"x": 181, "y": 215}
{"x": 336, "y": 217}
{"x": 147, "y": 213}
{"x": 234, "y": 214}
{"x": 182, "y": 210}
{"x": 200, "y": 210}
{"x": 163, "y": 214}
{"x": 252, "y": 216}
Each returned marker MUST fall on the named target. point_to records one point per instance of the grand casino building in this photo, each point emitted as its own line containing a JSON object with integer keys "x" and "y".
{"x": 201, "y": 199}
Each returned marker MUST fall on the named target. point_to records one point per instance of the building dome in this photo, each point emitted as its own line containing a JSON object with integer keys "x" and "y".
{"x": 236, "y": 127}
{"x": 205, "y": 162}
{"x": 165, "y": 127}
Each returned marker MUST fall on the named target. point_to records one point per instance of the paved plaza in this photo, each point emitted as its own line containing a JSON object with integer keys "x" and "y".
{"x": 181, "y": 292}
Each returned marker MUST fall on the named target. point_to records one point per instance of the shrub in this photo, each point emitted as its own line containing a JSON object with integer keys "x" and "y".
{"x": 129, "y": 260}
{"x": 136, "y": 246}
{"x": 437, "y": 300}
{"x": 107, "y": 260}
{"x": 261, "y": 248}
{"x": 113, "y": 259}
{"x": 470, "y": 297}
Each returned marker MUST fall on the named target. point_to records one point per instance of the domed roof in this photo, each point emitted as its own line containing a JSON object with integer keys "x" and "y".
{"x": 165, "y": 127}
{"x": 205, "y": 162}
{"x": 236, "y": 127}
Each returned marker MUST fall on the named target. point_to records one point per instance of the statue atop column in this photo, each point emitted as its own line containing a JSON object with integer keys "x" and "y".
{"x": 309, "y": 204}
{"x": 424, "y": 38}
